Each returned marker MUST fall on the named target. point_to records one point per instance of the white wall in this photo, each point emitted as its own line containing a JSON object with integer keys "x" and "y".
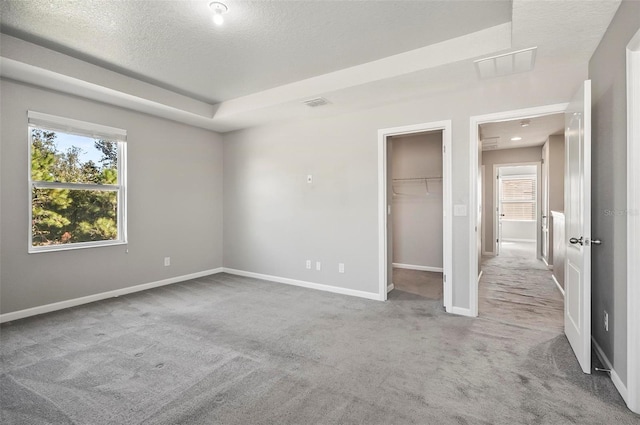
{"x": 607, "y": 70}
{"x": 174, "y": 204}
{"x": 274, "y": 220}
{"x": 417, "y": 214}
{"x": 519, "y": 230}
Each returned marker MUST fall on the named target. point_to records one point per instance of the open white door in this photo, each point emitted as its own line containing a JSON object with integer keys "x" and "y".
{"x": 577, "y": 305}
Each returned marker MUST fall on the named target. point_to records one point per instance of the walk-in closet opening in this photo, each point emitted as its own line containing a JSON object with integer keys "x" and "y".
{"x": 415, "y": 181}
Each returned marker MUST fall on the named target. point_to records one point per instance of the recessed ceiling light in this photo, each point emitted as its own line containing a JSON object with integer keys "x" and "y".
{"x": 515, "y": 139}
{"x": 525, "y": 123}
{"x": 219, "y": 9}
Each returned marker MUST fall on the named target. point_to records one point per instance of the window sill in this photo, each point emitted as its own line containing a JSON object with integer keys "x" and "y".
{"x": 71, "y": 247}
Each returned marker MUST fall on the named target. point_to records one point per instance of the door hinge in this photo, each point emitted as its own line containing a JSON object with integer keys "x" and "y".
{"x": 444, "y": 149}
{"x": 497, "y": 240}
{"x": 444, "y": 277}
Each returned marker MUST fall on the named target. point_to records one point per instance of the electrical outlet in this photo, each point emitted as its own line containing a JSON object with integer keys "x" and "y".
{"x": 317, "y": 265}
{"x": 308, "y": 264}
{"x": 340, "y": 267}
{"x": 606, "y": 321}
{"x": 167, "y": 261}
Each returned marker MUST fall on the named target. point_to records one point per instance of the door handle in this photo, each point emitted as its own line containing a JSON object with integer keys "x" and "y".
{"x": 596, "y": 242}
{"x": 501, "y": 215}
{"x": 575, "y": 241}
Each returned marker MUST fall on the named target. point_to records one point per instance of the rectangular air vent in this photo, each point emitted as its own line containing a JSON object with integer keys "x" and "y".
{"x": 315, "y": 102}
{"x": 505, "y": 64}
{"x": 490, "y": 143}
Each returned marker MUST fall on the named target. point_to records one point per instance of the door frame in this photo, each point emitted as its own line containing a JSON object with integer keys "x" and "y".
{"x": 633, "y": 224}
{"x": 447, "y": 231}
{"x": 496, "y": 200}
{"x": 474, "y": 159}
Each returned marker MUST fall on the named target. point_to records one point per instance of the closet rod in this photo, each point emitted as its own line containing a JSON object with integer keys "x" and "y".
{"x": 420, "y": 179}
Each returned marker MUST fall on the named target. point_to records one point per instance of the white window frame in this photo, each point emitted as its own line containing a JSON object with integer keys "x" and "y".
{"x": 81, "y": 128}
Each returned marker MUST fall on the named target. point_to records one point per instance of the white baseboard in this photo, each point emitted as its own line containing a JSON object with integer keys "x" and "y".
{"x": 544, "y": 260}
{"x": 390, "y": 287}
{"x": 480, "y": 275}
{"x": 460, "y": 311}
{"x": 558, "y": 285}
{"x": 305, "y": 284}
{"x": 488, "y": 254}
{"x": 47, "y": 308}
{"x": 617, "y": 382}
{"x": 415, "y": 267}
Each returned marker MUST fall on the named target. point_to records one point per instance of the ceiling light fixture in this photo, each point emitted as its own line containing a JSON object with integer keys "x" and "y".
{"x": 525, "y": 123}
{"x": 516, "y": 139}
{"x": 219, "y": 9}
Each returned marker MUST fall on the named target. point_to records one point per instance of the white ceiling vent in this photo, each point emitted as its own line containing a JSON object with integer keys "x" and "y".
{"x": 315, "y": 102}
{"x": 505, "y": 64}
{"x": 490, "y": 143}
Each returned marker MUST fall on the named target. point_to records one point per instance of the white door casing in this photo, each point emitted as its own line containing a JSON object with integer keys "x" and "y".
{"x": 383, "y": 207}
{"x": 474, "y": 143}
{"x": 577, "y": 306}
{"x": 499, "y": 214}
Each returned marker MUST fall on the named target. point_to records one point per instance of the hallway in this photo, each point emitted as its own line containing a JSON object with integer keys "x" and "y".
{"x": 517, "y": 288}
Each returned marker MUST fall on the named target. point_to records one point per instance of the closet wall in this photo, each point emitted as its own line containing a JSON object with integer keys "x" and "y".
{"x": 417, "y": 203}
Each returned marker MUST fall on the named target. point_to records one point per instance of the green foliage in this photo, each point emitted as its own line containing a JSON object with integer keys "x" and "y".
{"x": 68, "y": 215}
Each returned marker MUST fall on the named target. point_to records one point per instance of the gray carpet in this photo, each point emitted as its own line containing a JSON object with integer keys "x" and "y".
{"x": 231, "y": 350}
{"x": 517, "y": 288}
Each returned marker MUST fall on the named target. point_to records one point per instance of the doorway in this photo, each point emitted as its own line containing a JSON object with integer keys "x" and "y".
{"x": 416, "y": 225}
{"x": 486, "y": 150}
{"x": 516, "y": 285}
{"x": 419, "y": 194}
{"x": 516, "y": 219}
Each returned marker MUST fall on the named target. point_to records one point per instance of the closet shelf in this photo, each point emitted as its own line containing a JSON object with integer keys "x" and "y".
{"x": 418, "y": 179}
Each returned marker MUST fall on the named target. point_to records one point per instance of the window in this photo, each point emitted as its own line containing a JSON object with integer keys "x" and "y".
{"x": 518, "y": 197}
{"x": 77, "y": 184}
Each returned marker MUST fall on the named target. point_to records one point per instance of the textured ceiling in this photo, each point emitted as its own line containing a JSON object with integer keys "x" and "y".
{"x": 271, "y": 55}
{"x": 263, "y": 44}
{"x": 534, "y": 135}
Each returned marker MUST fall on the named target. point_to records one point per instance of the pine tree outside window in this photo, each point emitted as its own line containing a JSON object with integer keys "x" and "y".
{"x": 77, "y": 184}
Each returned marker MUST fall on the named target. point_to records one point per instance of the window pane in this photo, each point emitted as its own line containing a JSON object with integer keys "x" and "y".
{"x": 63, "y": 216}
{"x": 519, "y": 190}
{"x": 62, "y": 157}
{"x": 519, "y": 211}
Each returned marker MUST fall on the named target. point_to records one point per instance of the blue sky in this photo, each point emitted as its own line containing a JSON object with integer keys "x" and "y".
{"x": 89, "y": 152}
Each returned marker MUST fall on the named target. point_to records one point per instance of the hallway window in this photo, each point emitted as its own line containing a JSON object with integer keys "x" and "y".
{"x": 519, "y": 197}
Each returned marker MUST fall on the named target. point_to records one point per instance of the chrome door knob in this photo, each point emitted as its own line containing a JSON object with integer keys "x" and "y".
{"x": 596, "y": 242}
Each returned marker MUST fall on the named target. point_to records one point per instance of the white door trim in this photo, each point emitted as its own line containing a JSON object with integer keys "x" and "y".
{"x": 474, "y": 142}
{"x": 633, "y": 224}
{"x": 447, "y": 231}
